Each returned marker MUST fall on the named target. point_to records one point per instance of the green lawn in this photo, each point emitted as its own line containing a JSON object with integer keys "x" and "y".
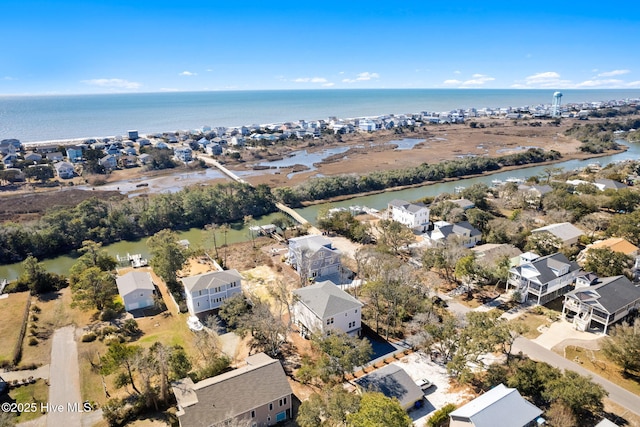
{"x": 37, "y": 393}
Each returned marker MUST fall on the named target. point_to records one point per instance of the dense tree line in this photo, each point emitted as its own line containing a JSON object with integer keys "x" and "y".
{"x": 326, "y": 187}
{"x": 63, "y": 229}
{"x": 598, "y": 137}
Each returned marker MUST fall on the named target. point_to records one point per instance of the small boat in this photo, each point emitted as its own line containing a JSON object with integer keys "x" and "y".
{"x": 142, "y": 184}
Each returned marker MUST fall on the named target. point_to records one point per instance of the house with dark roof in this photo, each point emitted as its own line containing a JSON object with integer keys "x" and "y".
{"x": 542, "y": 279}
{"x": 208, "y": 291}
{"x": 413, "y": 215}
{"x": 393, "y": 382}
{"x": 257, "y": 394}
{"x": 608, "y": 301}
{"x": 467, "y": 233}
{"x": 136, "y": 289}
{"x": 609, "y": 184}
{"x": 324, "y": 307}
{"x": 314, "y": 257}
{"x": 499, "y": 407}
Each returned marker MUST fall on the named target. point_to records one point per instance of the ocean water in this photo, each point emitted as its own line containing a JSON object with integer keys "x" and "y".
{"x": 44, "y": 118}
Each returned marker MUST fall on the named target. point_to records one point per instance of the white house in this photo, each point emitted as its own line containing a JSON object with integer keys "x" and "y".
{"x": 314, "y": 256}
{"x": 324, "y": 307}
{"x": 467, "y": 233}
{"x": 208, "y": 291}
{"x": 609, "y": 300}
{"x": 542, "y": 279}
{"x": 499, "y": 407}
{"x": 413, "y": 215}
{"x": 136, "y": 289}
{"x": 64, "y": 170}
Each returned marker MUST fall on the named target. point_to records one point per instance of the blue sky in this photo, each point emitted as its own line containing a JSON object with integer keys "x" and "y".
{"x": 73, "y": 47}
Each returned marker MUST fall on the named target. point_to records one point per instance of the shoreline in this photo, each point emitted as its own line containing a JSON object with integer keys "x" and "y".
{"x": 487, "y": 173}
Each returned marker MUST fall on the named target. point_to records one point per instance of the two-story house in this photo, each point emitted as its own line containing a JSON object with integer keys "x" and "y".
{"x": 257, "y": 394}
{"x": 324, "y": 307}
{"x": 542, "y": 279}
{"x": 609, "y": 300}
{"x": 208, "y": 291}
{"x": 314, "y": 257}
{"x": 469, "y": 235}
{"x": 65, "y": 170}
{"x": 413, "y": 215}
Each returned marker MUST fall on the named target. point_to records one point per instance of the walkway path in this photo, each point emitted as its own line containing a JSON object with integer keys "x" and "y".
{"x": 617, "y": 394}
{"x": 41, "y": 372}
{"x": 64, "y": 379}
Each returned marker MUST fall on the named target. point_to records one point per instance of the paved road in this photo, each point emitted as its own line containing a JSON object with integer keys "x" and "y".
{"x": 64, "y": 380}
{"x": 617, "y": 394}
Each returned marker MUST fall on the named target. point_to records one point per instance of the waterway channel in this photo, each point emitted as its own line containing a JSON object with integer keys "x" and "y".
{"x": 379, "y": 201}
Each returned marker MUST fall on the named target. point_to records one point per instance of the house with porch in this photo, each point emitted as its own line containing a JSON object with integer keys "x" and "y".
{"x": 324, "y": 307}
{"x": 208, "y": 291}
{"x": 314, "y": 257}
{"x": 467, "y": 233}
{"x": 136, "y": 289}
{"x": 413, "y": 215}
{"x": 64, "y": 170}
{"x": 542, "y": 279}
{"x": 609, "y": 300}
{"x": 257, "y": 394}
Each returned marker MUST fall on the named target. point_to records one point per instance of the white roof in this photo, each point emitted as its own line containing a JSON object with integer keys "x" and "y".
{"x": 134, "y": 281}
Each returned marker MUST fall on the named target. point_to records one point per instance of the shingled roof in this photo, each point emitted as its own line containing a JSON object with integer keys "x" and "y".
{"x": 210, "y": 280}
{"x": 325, "y": 299}
{"x": 610, "y": 295}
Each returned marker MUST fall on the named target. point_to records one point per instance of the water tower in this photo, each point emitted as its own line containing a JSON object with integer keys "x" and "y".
{"x": 555, "y": 107}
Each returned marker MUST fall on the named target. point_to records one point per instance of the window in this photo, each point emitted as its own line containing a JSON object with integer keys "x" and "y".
{"x": 271, "y": 406}
{"x": 253, "y": 414}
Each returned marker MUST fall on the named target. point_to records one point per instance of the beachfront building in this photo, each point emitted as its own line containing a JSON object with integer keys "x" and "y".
{"x": 257, "y": 394}
{"x": 324, "y": 307}
{"x": 208, "y": 291}
{"x": 74, "y": 153}
{"x": 601, "y": 303}
{"x": 413, "y": 215}
{"x": 136, "y": 290}
{"x": 542, "y": 279}
{"x": 499, "y": 407}
{"x": 314, "y": 257}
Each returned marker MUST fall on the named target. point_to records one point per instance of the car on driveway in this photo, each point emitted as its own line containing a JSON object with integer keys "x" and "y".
{"x": 194, "y": 323}
{"x": 424, "y": 384}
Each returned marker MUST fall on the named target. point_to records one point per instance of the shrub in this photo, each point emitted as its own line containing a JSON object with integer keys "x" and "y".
{"x": 440, "y": 418}
{"x": 33, "y": 341}
{"x": 34, "y": 318}
{"x": 107, "y": 330}
{"x": 35, "y": 309}
{"x": 113, "y": 338}
{"x": 108, "y": 314}
{"x": 89, "y": 337}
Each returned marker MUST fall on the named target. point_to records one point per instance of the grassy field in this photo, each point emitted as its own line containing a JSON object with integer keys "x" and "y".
{"x": 37, "y": 392}
{"x": 594, "y": 361}
{"x": 11, "y": 312}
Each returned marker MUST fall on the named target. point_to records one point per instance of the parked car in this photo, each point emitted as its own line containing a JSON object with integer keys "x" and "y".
{"x": 424, "y": 384}
{"x": 194, "y": 323}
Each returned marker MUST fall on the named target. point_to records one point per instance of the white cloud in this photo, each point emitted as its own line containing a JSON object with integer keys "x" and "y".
{"x": 547, "y": 79}
{"x": 188, "y": 73}
{"x": 452, "y": 82}
{"x": 614, "y": 73}
{"x": 113, "y": 83}
{"x": 310, "y": 80}
{"x": 477, "y": 80}
{"x": 457, "y": 72}
{"x": 329, "y": 84}
{"x": 600, "y": 83}
{"x": 362, "y": 77}
{"x": 169, "y": 89}
{"x": 209, "y": 70}
{"x": 634, "y": 84}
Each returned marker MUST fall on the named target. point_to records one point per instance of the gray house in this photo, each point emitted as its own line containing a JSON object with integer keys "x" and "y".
{"x": 257, "y": 394}
{"x": 393, "y": 382}
{"x": 136, "y": 289}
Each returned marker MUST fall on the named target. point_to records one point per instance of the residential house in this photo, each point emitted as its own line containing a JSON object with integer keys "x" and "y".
{"x": 490, "y": 254}
{"x": 113, "y": 149}
{"x": 128, "y": 161}
{"x": 64, "y": 170}
{"x": 136, "y": 289}
{"x": 10, "y": 145}
{"x": 608, "y": 301}
{"x": 144, "y": 159}
{"x": 393, "y": 382}
{"x": 464, "y": 204}
{"x": 615, "y": 244}
{"x": 9, "y": 160}
{"x": 184, "y": 154}
{"x": 324, "y": 307}
{"x": 533, "y": 193}
{"x": 54, "y": 157}
{"x": 565, "y": 231}
{"x": 213, "y": 149}
{"x": 133, "y": 135}
{"x": 13, "y": 175}
{"x": 499, "y": 407}
{"x": 32, "y": 157}
{"x": 413, "y": 215}
{"x": 74, "y": 154}
{"x": 257, "y": 394}
{"x": 609, "y": 184}
{"x": 542, "y": 279}
{"x": 237, "y": 141}
{"x": 314, "y": 257}
{"x": 208, "y": 291}
{"x": 109, "y": 162}
{"x": 469, "y": 235}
